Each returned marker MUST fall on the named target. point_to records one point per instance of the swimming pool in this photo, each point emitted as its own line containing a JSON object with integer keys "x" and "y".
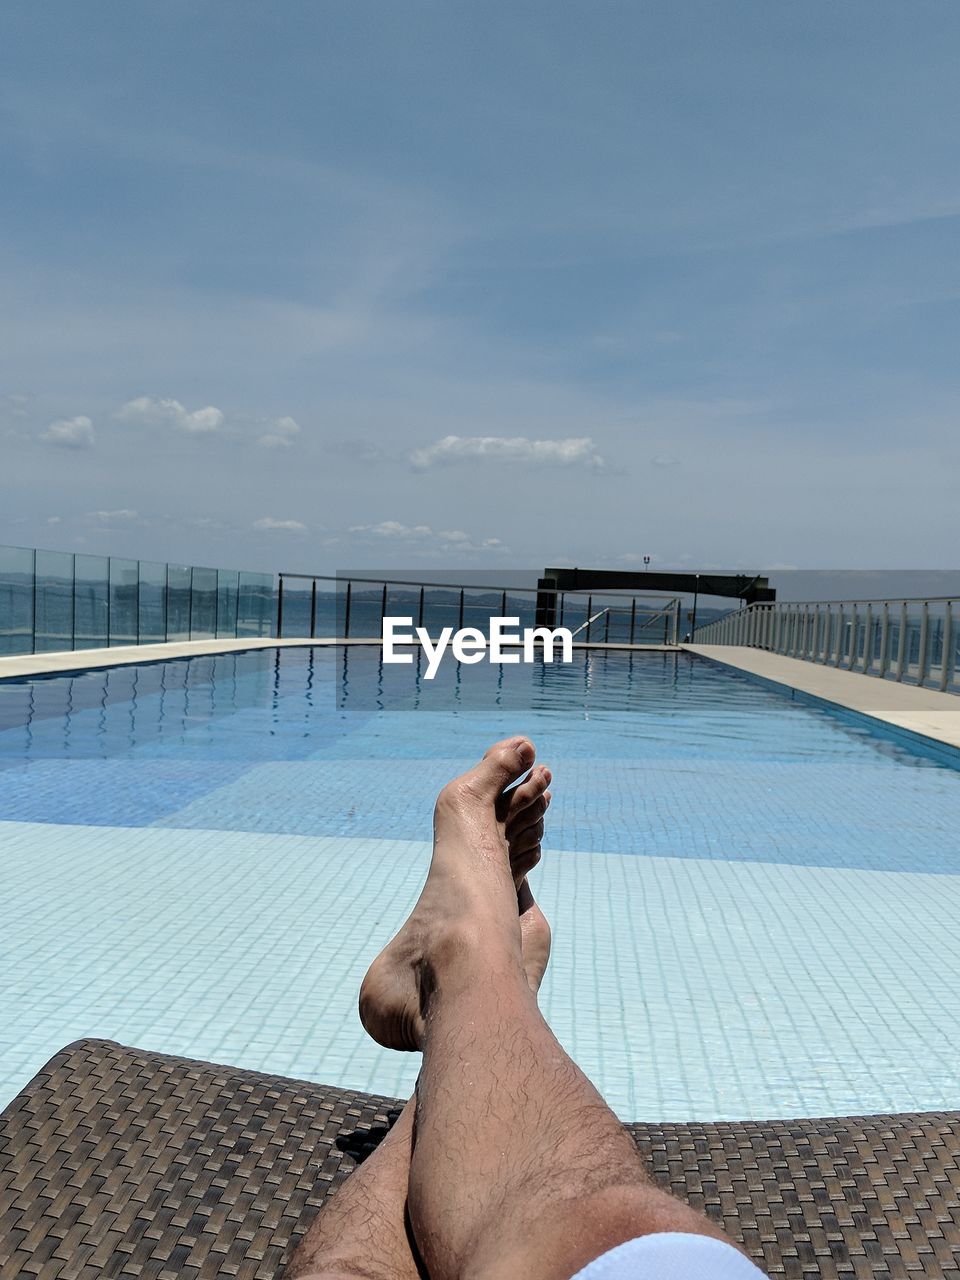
{"x": 754, "y": 901}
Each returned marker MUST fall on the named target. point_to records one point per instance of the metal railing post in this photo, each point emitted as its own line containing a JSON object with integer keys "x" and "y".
{"x": 313, "y": 610}
{"x": 383, "y": 606}
{"x": 902, "y": 647}
{"x": 868, "y": 641}
{"x": 633, "y": 620}
{"x": 854, "y": 637}
{"x": 420, "y": 609}
{"x": 460, "y": 623}
{"x": 346, "y": 612}
{"x": 924, "y": 634}
{"x": 839, "y": 645}
{"x": 589, "y": 613}
{"x": 884, "y": 641}
{"x": 279, "y": 605}
{"x": 946, "y": 652}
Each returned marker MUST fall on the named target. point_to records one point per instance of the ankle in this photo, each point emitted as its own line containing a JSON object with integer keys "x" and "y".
{"x": 468, "y": 949}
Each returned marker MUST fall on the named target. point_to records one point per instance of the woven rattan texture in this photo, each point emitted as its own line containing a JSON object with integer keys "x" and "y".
{"x": 116, "y": 1162}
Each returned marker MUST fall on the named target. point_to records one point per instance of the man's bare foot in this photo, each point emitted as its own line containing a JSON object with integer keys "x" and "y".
{"x": 485, "y": 840}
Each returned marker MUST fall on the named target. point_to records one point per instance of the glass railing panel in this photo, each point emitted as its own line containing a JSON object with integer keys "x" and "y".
{"x": 203, "y": 605}
{"x": 228, "y": 590}
{"x": 124, "y": 585}
{"x": 953, "y": 650}
{"x": 365, "y": 601}
{"x": 893, "y": 641}
{"x": 872, "y": 644}
{"x": 152, "y": 602}
{"x": 256, "y": 608}
{"x": 913, "y": 643}
{"x": 179, "y": 579}
{"x": 16, "y": 599}
{"x": 297, "y": 601}
{"x": 91, "y": 602}
{"x": 326, "y": 614}
{"x": 53, "y": 602}
{"x": 936, "y": 616}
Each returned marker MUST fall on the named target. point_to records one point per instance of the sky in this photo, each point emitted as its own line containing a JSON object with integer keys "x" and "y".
{"x": 320, "y": 286}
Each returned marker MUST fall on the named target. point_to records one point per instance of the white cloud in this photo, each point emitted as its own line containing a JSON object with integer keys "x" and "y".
{"x": 114, "y": 517}
{"x": 394, "y": 529}
{"x": 70, "y": 433}
{"x": 577, "y": 451}
{"x": 268, "y": 523}
{"x": 171, "y": 413}
{"x": 452, "y": 539}
{"x": 280, "y": 434}
{"x": 54, "y": 519}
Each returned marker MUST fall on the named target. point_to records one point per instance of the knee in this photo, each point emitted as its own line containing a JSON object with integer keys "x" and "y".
{"x": 621, "y": 1212}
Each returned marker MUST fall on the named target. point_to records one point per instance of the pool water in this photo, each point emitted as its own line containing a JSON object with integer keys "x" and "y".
{"x": 753, "y": 900}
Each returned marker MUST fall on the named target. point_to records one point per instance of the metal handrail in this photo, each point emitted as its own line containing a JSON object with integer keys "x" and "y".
{"x": 651, "y": 610}
{"x": 589, "y": 622}
{"x": 792, "y": 604}
{"x": 498, "y": 587}
{"x": 877, "y": 637}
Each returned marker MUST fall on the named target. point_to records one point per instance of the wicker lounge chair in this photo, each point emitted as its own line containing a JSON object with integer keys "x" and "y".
{"x": 117, "y": 1162}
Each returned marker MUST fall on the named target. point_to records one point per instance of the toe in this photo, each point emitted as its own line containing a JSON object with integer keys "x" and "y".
{"x": 527, "y": 816}
{"x": 501, "y": 765}
{"x": 526, "y": 840}
{"x": 527, "y": 792}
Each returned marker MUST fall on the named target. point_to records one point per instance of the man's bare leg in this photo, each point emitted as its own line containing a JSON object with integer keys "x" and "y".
{"x": 362, "y": 1231}
{"x": 519, "y": 1168}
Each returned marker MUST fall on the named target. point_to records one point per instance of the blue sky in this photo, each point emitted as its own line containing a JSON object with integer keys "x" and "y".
{"x": 319, "y": 286}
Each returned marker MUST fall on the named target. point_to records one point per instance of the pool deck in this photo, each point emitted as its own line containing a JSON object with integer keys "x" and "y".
{"x": 925, "y": 712}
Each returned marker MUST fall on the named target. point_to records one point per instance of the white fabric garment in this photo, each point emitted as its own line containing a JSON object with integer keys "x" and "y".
{"x": 671, "y": 1255}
